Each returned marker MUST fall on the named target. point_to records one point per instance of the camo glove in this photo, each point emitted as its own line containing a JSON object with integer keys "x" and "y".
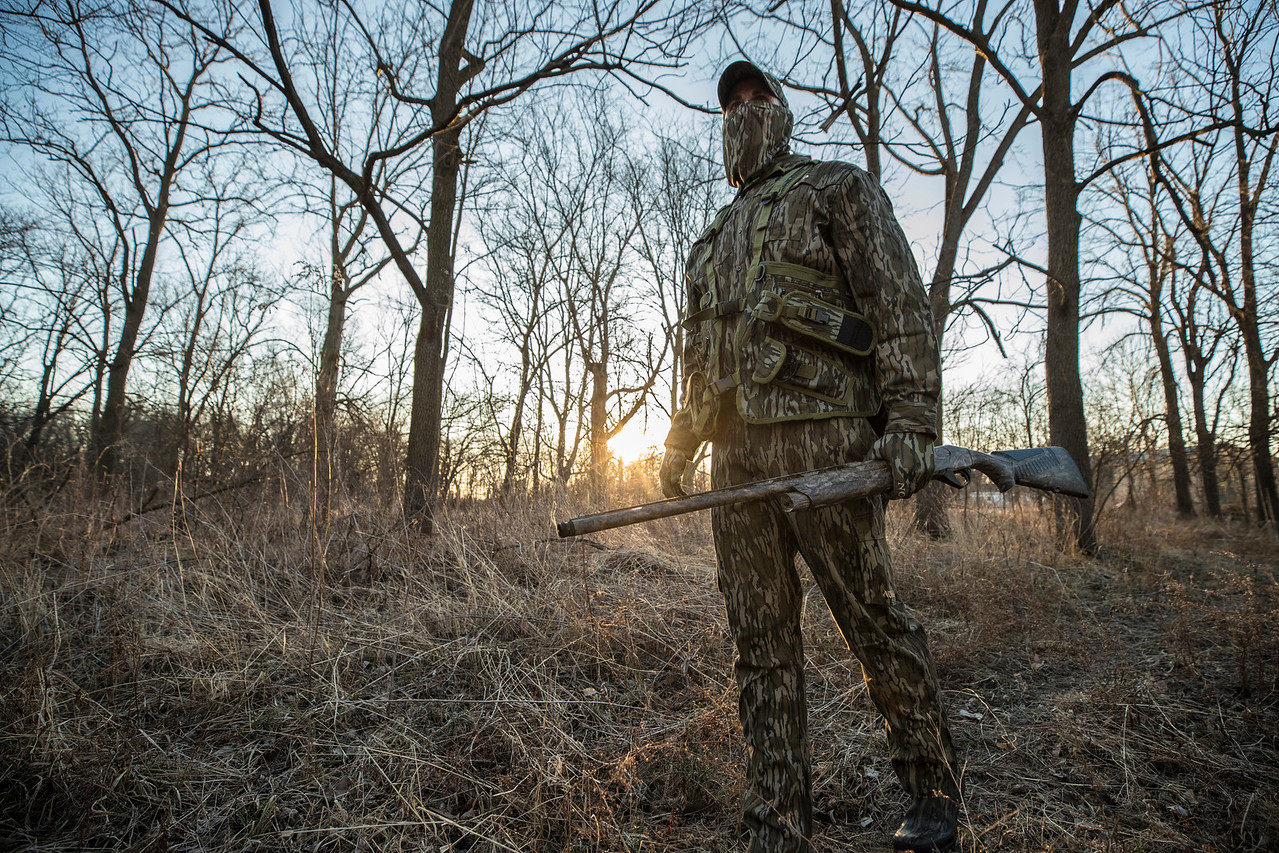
{"x": 910, "y": 459}
{"x": 672, "y": 474}
{"x": 681, "y": 446}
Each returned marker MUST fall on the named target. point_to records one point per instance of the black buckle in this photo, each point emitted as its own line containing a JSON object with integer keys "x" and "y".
{"x": 722, "y": 385}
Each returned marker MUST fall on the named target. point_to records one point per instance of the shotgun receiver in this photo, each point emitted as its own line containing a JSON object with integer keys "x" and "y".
{"x": 1048, "y": 469}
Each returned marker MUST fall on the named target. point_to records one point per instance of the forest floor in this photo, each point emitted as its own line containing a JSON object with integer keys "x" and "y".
{"x": 249, "y": 681}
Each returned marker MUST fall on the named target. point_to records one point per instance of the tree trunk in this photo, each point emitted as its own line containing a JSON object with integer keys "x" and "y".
{"x": 1067, "y": 425}
{"x": 598, "y": 414}
{"x": 517, "y": 422}
{"x": 1206, "y": 443}
{"x": 1259, "y": 427}
{"x": 106, "y": 442}
{"x": 326, "y": 385}
{"x": 1172, "y": 415}
{"x": 932, "y": 501}
{"x": 1258, "y": 365}
{"x": 421, "y": 475}
{"x": 421, "y": 487}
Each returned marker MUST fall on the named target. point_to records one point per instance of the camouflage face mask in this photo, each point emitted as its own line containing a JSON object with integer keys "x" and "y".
{"x": 754, "y": 133}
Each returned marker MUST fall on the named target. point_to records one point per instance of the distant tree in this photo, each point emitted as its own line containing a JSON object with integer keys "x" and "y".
{"x": 620, "y": 357}
{"x": 517, "y": 280}
{"x": 1210, "y": 354}
{"x": 681, "y": 187}
{"x": 1143, "y": 261}
{"x": 219, "y": 311}
{"x": 1124, "y": 404}
{"x": 1069, "y": 40}
{"x": 513, "y": 48}
{"x": 1004, "y": 408}
{"x": 135, "y": 83}
{"x": 1235, "y": 94}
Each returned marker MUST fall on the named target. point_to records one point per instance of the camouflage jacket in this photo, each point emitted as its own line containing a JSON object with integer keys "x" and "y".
{"x": 804, "y": 301}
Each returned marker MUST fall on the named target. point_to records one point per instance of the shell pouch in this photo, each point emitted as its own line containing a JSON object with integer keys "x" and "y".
{"x": 803, "y": 370}
{"x": 814, "y": 318}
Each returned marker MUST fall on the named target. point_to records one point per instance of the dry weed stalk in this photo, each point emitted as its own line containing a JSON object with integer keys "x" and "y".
{"x": 251, "y": 678}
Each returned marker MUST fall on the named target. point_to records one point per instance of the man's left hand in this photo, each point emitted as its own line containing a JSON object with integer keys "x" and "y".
{"x": 910, "y": 458}
{"x": 672, "y": 473}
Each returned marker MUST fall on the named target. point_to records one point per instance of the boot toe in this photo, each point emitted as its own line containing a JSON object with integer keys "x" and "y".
{"x": 931, "y": 826}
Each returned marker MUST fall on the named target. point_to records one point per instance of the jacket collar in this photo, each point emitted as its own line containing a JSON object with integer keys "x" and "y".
{"x": 777, "y": 166}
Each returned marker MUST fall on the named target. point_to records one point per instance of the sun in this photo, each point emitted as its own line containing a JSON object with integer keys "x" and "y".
{"x": 636, "y": 440}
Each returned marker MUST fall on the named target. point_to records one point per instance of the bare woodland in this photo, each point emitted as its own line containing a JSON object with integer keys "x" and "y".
{"x": 314, "y": 317}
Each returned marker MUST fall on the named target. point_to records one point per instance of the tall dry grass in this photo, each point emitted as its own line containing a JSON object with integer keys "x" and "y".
{"x": 248, "y": 679}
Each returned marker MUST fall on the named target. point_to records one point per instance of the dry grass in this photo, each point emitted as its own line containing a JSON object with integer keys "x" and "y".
{"x": 248, "y": 682}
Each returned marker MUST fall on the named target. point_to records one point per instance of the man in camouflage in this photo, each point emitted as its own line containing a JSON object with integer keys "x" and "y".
{"x": 807, "y": 323}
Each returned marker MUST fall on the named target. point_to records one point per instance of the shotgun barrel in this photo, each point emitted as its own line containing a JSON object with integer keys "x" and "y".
{"x": 1048, "y": 469}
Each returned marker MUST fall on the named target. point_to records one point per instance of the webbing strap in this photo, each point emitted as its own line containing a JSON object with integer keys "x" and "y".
{"x": 717, "y": 309}
{"x": 808, "y": 275}
{"x": 775, "y": 191}
{"x": 724, "y": 384}
{"x": 711, "y": 284}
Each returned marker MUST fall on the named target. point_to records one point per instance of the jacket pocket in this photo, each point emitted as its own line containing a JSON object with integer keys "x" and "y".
{"x": 800, "y": 369}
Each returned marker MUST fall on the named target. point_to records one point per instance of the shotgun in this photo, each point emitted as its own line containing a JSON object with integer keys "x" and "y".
{"x": 1048, "y": 469}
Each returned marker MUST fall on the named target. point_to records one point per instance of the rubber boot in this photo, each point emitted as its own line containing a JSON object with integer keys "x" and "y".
{"x": 932, "y": 824}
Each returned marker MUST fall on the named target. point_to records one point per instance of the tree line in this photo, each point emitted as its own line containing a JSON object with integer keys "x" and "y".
{"x": 506, "y": 192}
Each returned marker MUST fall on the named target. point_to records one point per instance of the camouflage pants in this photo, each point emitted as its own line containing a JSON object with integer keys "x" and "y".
{"x": 844, "y": 547}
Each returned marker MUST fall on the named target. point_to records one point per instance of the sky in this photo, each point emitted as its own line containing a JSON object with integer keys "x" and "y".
{"x": 916, "y": 198}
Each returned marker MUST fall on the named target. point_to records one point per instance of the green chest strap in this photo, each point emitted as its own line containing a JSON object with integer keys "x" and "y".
{"x": 755, "y": 271}
{"x": 773, "y": 192}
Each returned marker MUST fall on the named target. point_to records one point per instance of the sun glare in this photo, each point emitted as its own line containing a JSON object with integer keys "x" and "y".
{"x": 636, "y": 441}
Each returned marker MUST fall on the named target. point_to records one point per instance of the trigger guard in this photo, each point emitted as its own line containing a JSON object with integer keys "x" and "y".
{"x": 957, "y": 479}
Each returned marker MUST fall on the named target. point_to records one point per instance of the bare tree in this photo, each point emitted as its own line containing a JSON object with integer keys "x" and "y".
{"x": 1124, "y": 406}
{"x": 137, "y": 80}
{"x": 519, "y": 282}
{"x": 357, "y": 117}
{"x": 1240, "y": 86}
{"x": 1067, "y": 37}
{"x": 682, "y": 186}
{"x": 619, "y": 357}
{"x": 1002, "y": 409}
{"x": 1144, "y": 264}
{"x": 513, "y": 48}
{"x": 211, "y": 328}
{"x": 46, "y": 351}
{"x": 597, "y": 203}
{"x": 965, "y": 143}
{"x": 1210, "y": 355}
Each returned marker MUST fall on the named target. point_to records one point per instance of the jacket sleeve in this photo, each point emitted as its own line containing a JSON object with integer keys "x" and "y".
{"x": 684, "y": 435}
{"x": 880, "y": 267}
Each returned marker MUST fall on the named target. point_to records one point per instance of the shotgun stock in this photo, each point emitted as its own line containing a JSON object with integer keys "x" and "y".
{"x": 1048, "y": 469}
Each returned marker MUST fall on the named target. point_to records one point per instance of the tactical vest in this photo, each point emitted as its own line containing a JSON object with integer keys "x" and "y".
{"x": 786, "y": 343}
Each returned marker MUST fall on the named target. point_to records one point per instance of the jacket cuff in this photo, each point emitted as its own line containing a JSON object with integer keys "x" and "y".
{"x": 682, "y": 440}
{"x": 919, "y": 419}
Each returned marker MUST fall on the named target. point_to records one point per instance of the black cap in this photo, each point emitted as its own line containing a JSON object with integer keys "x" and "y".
{"x": 743, "y": 70}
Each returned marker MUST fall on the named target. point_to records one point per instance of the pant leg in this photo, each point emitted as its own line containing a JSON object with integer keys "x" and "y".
{"x": 847, "y": 552}
{"x": 755, "y": 556}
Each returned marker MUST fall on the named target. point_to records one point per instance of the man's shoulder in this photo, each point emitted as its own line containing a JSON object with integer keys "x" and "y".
{"x": 839, "y": 173}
